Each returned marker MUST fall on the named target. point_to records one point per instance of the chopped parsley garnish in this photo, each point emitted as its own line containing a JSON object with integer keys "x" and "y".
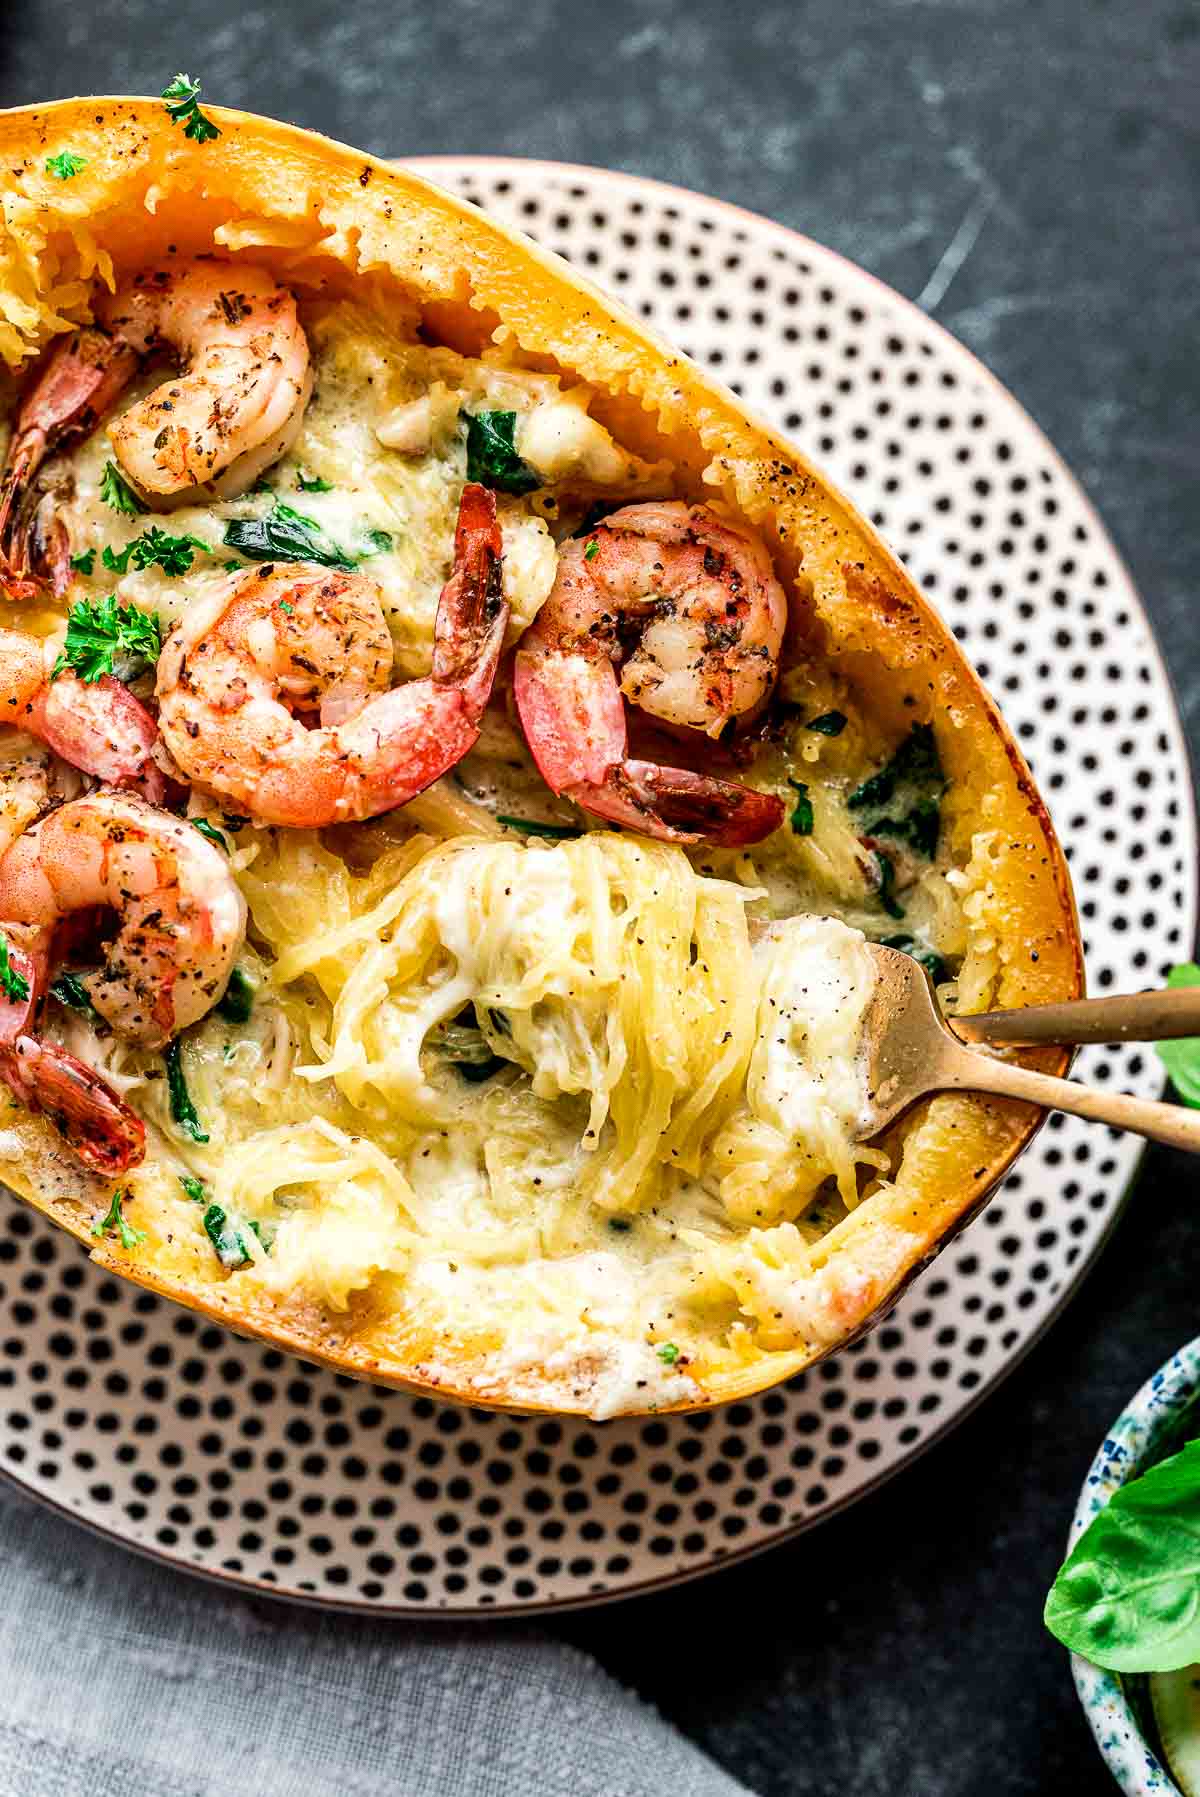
{"x": 237, "y": 1001}
{"x": 113, "y": 1219}
{"x": 886, "y": 889}
{"x": 312, "y": 483}
{"x": 492, "y": 458}
{"x": 182, "y": 97}
{"x": 230, "y": 1248}
{"x": 194, "y": 1188}
{"x": 925, "y": 956}
{"x": 107, "y": 638}
{"x": 174, "y": 555}
{"x": 182, "y": 1108}
{"x": 801, "y": 819}
{"x": 72, "y": 994}
{"x": 668, "y": 1353}
{"x": 529, "y": 826}
{"x": 66, "y": 165}
{"x": 285, "y": 535}
{"x": 284, "y": 605}
{"x": 116, "y": 491}
{"x": 84, "y": 562}
{"x": 592, "y": 550}
{"x": 210, "y": 830}
{"x": 14, "y": 985}
{"x": 830, "y": 723}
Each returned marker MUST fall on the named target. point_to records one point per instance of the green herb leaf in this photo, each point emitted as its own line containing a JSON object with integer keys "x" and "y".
{"x": 182, "y": 97}
{"x": 285, "y": 606}
{"x": 830, "y": 723}
{"x": 886, "y": 890}
{"x": 1182, "y": 1057}
{"x": 530, "y": 827}
{"x": 376, "y": 542}
{"x": 285, "y": 535}
{"x": 1128, "y": 1595}
{"x": 116, "y": 491}
{"x": 312, "y": 483}
{"x": 231, "y": 1250}
{"x": 113, "y": 1219}
{"x": 210, "y": 830}
{"x": 620, "y": 1225}
{"x": 66, "y": 165}
{"x": 71, "y": 993}
{"x": 492, "y": 459}
{"x": 264, "y": 1232}
{"x": 182, "y": 1108}
{"x": 915, "y": 763}
{"x": 106, "y": 638}
{"x": 237, "y": 1001}
{"x": 13, "y": 984}
{"x": 174, "y": 555}
{"x": 84, "y": 562}
{"x": 668, "y": 1353}
{"x": 802, "y": 815}
{"x": 194, "y": 1188}
{"x": 921, "y": 952}
{"x": 233, "y": 822}
{"x": 920, "y": 829}
{"x": 592, "y": 550}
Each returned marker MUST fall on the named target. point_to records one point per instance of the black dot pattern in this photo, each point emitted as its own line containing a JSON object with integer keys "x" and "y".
{"x": 228, "y": 1456}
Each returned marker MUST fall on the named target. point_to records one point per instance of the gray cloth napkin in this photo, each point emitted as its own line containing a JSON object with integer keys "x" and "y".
{"x": 120, "y": 1676}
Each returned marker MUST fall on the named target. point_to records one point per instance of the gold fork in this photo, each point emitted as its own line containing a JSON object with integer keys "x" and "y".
{"x": 911, "y": 1050}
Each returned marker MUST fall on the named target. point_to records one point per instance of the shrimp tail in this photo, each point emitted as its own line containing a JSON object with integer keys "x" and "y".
{"x": 472, "y": 614}
{"x": 99, "y": 1127}
{"x": 78, "y": 380}
{"x": 675, "y": 805}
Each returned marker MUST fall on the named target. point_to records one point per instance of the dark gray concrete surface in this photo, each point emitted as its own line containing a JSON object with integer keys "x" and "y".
{"x": 896, "y": 1652}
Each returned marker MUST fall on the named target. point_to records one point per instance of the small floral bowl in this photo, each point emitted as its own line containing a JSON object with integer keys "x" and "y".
{"x": 1151, "y": 1426}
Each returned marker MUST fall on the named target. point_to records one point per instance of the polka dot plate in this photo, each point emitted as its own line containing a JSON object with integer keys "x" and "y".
{"x": 228, "y": 1458}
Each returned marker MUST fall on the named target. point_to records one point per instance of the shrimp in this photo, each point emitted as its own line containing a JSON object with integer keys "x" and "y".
{"x": 297, "y": 639}
{"x": 80, "y": 378}
{"x": 105, "y": 1134}
{"x": 707, "y": 616}
{"x": 180, "y": 915}
{"x": 235, "y": 407}
{"x": 237, "y": 404}
{"x": 97, "y": 726}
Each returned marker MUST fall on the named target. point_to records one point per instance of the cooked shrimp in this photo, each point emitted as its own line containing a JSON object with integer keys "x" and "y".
{"x": 707, "y": 616}
{"x": 98, "y": 726}
{"x": 181, "y": 917}
{"x": 296, "y": 639}
{"x": 106, "y": 1135}
{"x": 80, "y": 378}
{"x": 239, "y": 400}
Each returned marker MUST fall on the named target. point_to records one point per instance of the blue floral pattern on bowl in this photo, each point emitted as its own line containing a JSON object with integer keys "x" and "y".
{"x": 1141, "y": 1435}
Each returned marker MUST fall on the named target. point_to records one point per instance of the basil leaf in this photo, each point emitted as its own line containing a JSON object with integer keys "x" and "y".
{"x": 530, "y": 827}
{"x": 182, "y": 1109}
{"x": 1181, "y": 1058}
{"x": 801, "y": 819}
{"x": 231, "y": 1250}
{"x": 886, "y": 890}
{"x": 237, "y": 1001}
{"x": 285, "y": 535}
{"x": 915, "y": 763}
{"x": 920, "y": 829}
{"x": 492, "y": 458}
{"x": 194, "y": 1188}
{"x": 71, "y": 992}
{"x": 830, "y": 723}
{"x": 1128, "y": 1595}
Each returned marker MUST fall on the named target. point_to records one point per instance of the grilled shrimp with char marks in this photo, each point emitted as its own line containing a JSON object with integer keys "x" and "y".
{"x": 294, "y": 639}
{"x": 706, "y": 615}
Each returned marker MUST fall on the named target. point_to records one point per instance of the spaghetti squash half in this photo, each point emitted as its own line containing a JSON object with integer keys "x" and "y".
{"x": 504, "y": 1099}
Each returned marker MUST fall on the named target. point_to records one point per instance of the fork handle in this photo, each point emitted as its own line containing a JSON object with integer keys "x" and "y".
{"x": 974, "y": 1072}
{"x": 1126, "y": 1017}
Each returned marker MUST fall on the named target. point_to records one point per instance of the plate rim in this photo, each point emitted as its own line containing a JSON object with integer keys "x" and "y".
{"x": 1177, "y": 735}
